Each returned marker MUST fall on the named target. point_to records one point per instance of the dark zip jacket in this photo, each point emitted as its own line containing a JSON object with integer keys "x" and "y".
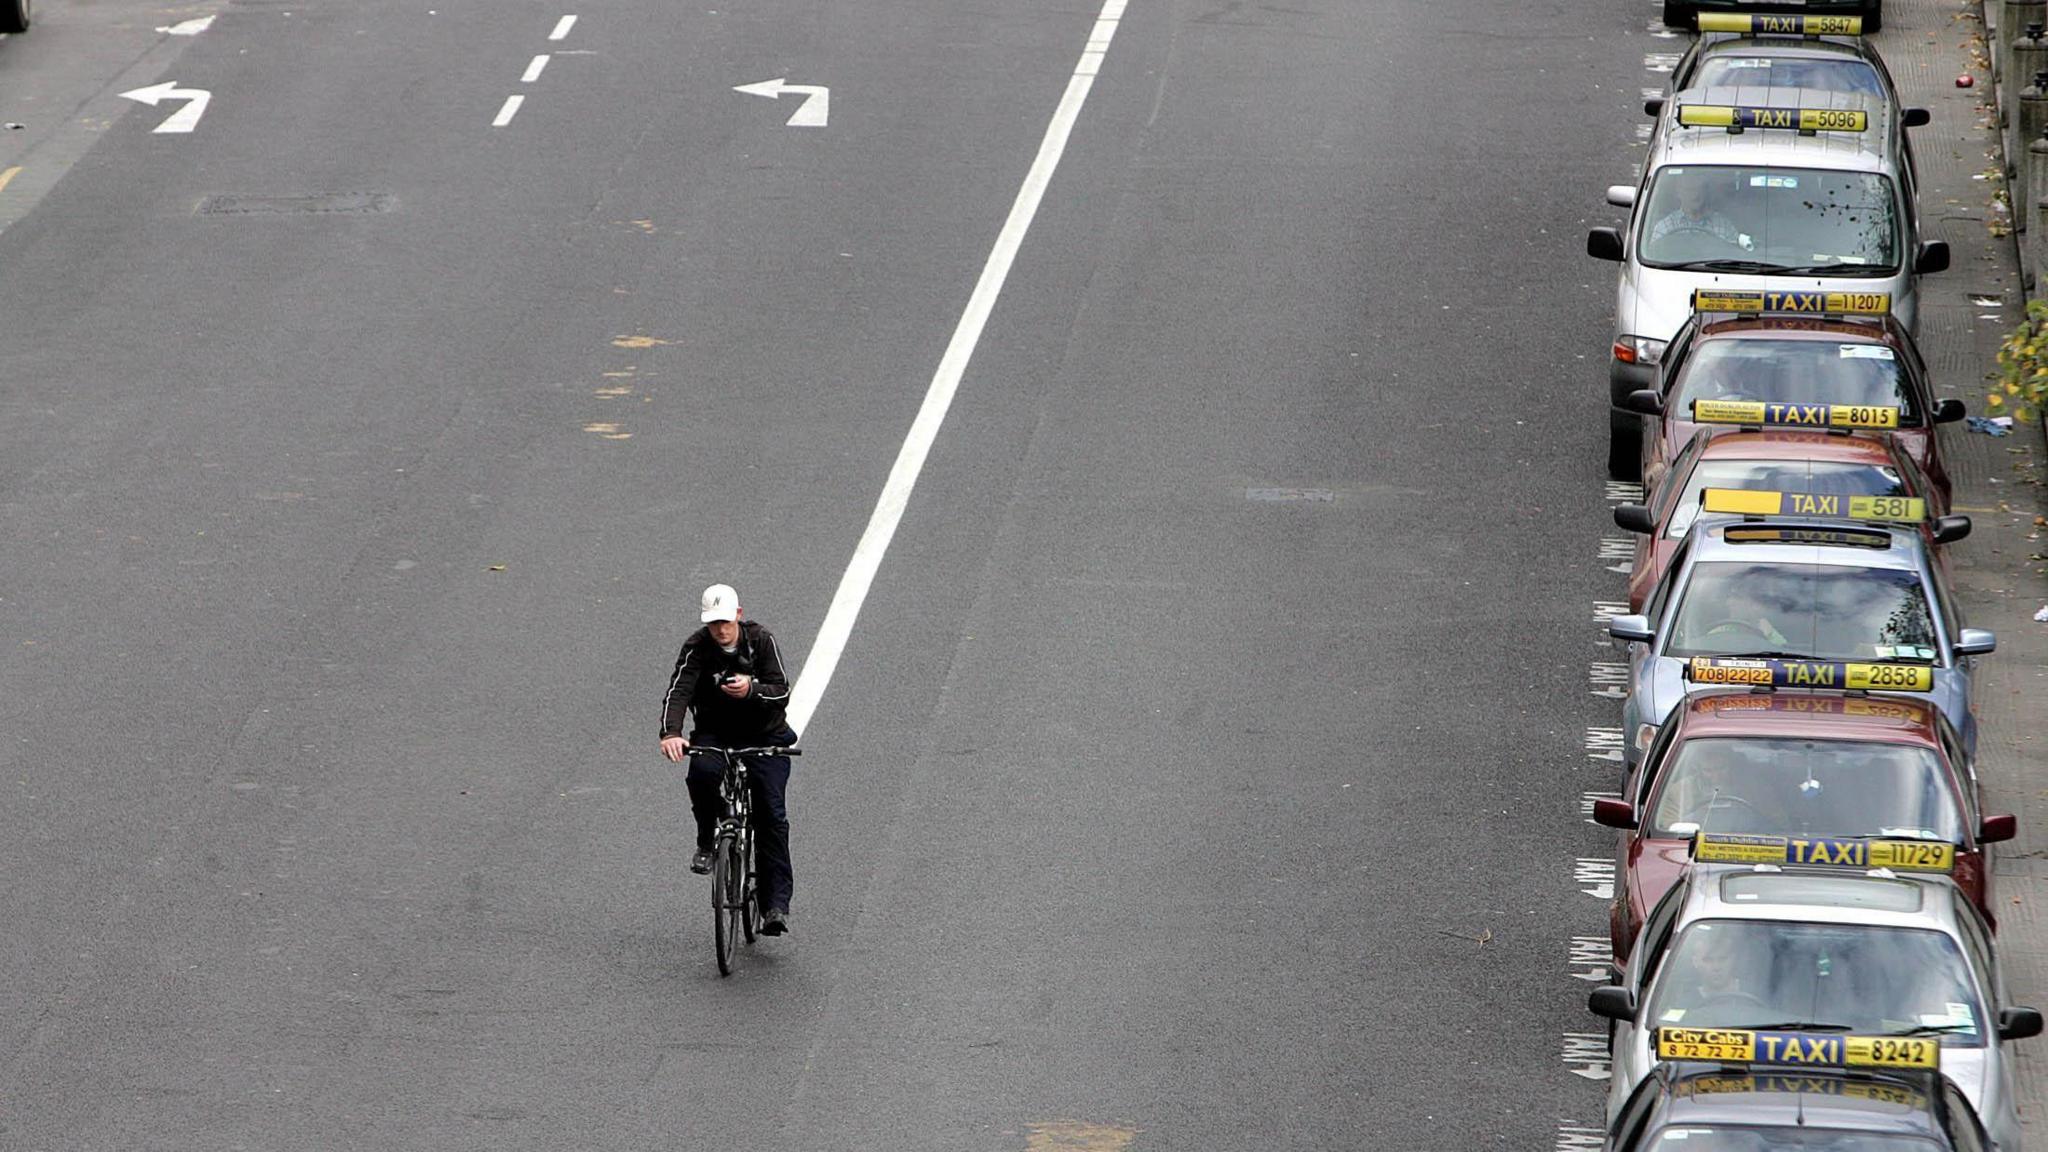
{"x": 756, "y": 718}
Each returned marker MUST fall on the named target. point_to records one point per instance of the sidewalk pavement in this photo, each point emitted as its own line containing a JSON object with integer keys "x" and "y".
{"x": 2001, "y": 571}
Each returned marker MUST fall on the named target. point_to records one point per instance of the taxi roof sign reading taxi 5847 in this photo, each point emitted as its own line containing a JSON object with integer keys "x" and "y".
{"x": 1785, "y": 25}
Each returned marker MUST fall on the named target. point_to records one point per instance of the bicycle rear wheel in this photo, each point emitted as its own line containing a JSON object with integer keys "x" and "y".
{"x": 728, "y": 882}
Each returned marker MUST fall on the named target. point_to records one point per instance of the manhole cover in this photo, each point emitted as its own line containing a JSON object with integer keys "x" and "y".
{"x": 320, "y": 204}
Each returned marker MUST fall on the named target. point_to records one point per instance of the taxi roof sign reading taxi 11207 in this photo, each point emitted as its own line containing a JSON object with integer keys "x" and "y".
{"x": 1803, "y": 1049}
{"x": 1806, "y": 121}
{"x": 1771, "y": 672}
{"x": 1759, "y": 413}
{"x": 1756, "y": 301}
{"x": 1765, "y": 502}
{"x": 1902, "y": 855}
{"x": 1786, "y": 25}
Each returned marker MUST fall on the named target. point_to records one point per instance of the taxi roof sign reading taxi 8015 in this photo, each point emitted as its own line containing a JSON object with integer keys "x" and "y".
{"x": 1736, "y": 117}
{"x": 1771, "y": 672}
{"x": 1777, "y": 413}
{"x": 1804, "y": 1049}
{"x": 1903, "y": 855}
{"x": 1764, "y": 502}
{"x": 1787, "y": 25}
{"x": 1802, "y": 303}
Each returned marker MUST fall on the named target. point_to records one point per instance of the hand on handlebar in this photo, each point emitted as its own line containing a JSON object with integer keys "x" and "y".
{"x": 675, "y": 748}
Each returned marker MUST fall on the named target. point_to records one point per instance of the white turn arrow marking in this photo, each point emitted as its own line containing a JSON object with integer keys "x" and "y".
{"x": 184, "y": 119}
{"x": 817, "y": 100}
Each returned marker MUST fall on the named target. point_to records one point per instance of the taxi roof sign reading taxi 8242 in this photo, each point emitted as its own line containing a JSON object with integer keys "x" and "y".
{"x": 1786, "y": 25}
{"x": 1903, "y": 855}
{"x": 1804, "y": 1049}
{"x": 1765, "y": 502}
{"x": 1736, "y": 117}
{"x": 1799, "y": 303}
{"x": 1759, "y": 413}
{"x": 1771, "y": 672}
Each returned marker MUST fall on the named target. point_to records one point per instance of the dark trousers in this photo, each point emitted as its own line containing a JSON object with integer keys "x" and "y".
{"x": 767, "y": 778}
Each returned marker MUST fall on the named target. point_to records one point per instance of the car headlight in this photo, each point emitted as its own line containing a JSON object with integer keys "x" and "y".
{"x": 1639, "y": 350}
{"x": 1644, "y": 734}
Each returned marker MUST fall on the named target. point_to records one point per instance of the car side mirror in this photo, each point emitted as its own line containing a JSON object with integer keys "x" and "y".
{"x": 1634, "y": 629}
{"x": 1604, "y": 244}
{"x": 1646, "y": 401}
{"x": 1654, "y": 106}
{"x": 1621, "y": 195}
{"x": 1620, "y": 814}
{"x": 1615, "y": 1003}
{"x": 1950, "y": 410}
{"x": 1915, "y": 117}
{"x": 1975, "y": 642}
{"x": 2017, "y": 1023}
{"x": 1933, "y": 257}
{"x": 1635, "y": 518}
{"x": 1994, "y": 830}
{"x": 1949, "y": 529}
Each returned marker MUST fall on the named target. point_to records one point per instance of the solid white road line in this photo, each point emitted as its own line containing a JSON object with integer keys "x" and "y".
{"x": 510, "y": 110}
{"x": 874, "y": 542}
{"x": 562, "y": 27}
{"x": 533, "y": 69}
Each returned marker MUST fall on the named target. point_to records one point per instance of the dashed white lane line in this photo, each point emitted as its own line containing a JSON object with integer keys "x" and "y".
{"x": 562, "y": 27}
{"x": 506, "y": 113}
{"x": 874, "y": 541}
{"x": 533, "y": 70}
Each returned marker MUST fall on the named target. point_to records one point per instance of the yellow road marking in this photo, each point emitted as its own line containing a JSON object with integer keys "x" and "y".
{"x": 9, "y": 175}
{"x": 1076, "y": 1136}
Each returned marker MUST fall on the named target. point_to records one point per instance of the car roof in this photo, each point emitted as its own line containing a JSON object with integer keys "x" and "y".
{"x": 1708, "y": 1094}
{"x": 1906, "y": 552}
{"x": 1935, "y": 908}
{"x": 1806, "y": 714}
{"x": 1795, "y": 444}
{"x": 1866, "y": 151}
{"x": 1749, "y": 44}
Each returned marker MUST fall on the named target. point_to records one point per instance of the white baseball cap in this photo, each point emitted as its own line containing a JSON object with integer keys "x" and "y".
{"x": 721, "y": 603}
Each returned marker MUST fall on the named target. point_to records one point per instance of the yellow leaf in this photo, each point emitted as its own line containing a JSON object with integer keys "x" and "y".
{"x": 1995, "y": 400}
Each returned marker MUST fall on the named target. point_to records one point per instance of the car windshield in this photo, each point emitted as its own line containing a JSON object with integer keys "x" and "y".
{"x": 1856, "y": 978}
{"x": 1808, "y": 611}
{"x": 1825, "y": 478}
{"x": 1793, "y": 372}
{"x": 1784, "y": 221}
{"x": 1700, "y": 1138}
{"x": 1730, "y": 70}
{"x": 1805, "y": 788}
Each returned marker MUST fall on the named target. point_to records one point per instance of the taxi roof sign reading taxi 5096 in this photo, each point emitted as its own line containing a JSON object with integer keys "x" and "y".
{"x": 1803, "y": 303}
{"x": 1736, "y": 117}
{"x": 1760, "y": 672}
{"x": 1770, "y": 412}
{"x": 1902, "y": 855}
{"x": 1762, "y": 25}
{"x": 1806, "y": 1049}
{"x": 1762, "y": 502}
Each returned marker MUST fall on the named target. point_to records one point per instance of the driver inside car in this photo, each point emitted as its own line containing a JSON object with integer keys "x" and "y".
{"x": 1694, "y": 214}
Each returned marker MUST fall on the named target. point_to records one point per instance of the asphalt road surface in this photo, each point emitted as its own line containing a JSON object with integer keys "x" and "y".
{"x": 1203, "y": 769}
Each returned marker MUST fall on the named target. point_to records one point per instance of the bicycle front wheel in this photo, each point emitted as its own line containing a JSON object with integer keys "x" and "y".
{"x": 728, "y": 884}
{"x": 749, "y": 914}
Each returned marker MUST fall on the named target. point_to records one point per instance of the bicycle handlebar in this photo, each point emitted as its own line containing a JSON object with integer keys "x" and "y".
{"x": 769, "y": 750}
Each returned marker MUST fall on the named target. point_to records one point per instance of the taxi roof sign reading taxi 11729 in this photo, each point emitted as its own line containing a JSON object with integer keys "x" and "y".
{"x": 1902, "y": 855}
{"x": 1765, "y": 502}
{"x": 1785, "y": 25}
{"x": 1754, "y": 301}
{"x": 1802, "y": 1049}
{"x": 1806, "y": 121}
{"x": 1771, "y": 672}
{"x": 1758, "y": 413}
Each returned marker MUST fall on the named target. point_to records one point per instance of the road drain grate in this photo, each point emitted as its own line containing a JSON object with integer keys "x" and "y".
{"x": 320, "y": 204}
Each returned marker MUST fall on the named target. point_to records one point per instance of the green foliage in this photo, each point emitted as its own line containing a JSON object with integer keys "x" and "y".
{"x": 2022, "y": 379}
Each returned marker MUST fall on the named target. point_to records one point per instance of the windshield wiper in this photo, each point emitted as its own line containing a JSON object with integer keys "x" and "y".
{"x": 1836, "y": 270}
{"x": 1933, "y": 1030}
{"x": 1803, "y": 1026}
{"x": 1727, "y": 266}
{"x": 1764, "y": 656}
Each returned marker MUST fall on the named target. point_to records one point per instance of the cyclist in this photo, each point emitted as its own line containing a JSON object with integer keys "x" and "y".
{"x": 730, "y": 673}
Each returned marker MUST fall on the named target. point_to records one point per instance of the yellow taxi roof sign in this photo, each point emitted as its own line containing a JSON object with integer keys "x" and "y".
{"x": 1760, "y": 413}
{"x": 1797, "y": 1049}
{"x": 1842, "y": 675}
{"x": 1835, "y": 852}
{"x": 1762, "y": 301}
{"x": 1765, "y": 502}
{"x": 1785, "y": 25}
{"x": 1807, "y": 121}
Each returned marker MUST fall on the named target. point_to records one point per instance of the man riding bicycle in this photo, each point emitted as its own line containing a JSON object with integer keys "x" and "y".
{"x": 730, "y": 673}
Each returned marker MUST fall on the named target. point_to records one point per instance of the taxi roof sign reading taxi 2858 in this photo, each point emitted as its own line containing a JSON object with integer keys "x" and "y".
{"x": 1780, "y": 25}
{"x": 1774, "y": 672}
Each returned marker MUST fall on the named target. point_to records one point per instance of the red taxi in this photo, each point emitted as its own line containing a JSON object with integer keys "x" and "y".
{"x": 1771, "y": 360}
{"x": 1799, "y": 764}
{"x": 1787, "y": 460}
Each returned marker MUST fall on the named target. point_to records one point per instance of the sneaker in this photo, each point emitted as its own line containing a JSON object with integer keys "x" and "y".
{"x": 701, "y": 862}
{"x": 775, "y": 921}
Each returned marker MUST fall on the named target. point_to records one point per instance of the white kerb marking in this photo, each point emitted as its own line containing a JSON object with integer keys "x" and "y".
{"x": 188, "y": 27}
{"x": 562, "y": 27}
{"x": 506, "y": 113}
{"x": 533, "y": 70}
{"x": 874, "y": 541}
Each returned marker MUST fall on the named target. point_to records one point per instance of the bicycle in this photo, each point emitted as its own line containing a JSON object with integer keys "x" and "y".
{"x": 733, "y": 877}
